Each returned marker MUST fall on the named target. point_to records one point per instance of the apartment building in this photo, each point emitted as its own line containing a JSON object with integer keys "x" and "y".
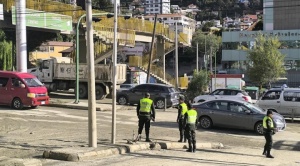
{"x": 157, "y": 7}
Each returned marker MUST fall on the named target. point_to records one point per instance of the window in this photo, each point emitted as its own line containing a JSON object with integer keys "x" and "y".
{"x": 51, "y": 49}
{"x": 218, "y": 92}
{"x": 230, "y": 92}
{"x": 156, "y": 89}
{"x": 272, "y": 95}
{"x": 291, "y": 96}
{"x": 236, "y": 107}
{"x": 217, "y": 105}
{"x": 3, "y": 81}
{"x": 16, "y": 82}
{"x": 141, "y": 88}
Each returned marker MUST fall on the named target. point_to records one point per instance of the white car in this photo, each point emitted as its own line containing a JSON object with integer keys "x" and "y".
{"x": 224, "y": 94}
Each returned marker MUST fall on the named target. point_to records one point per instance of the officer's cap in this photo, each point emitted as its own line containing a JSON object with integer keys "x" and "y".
{"x": 147, "y": 94}
{"x": 181, "y": 97}
{"x": 269, "y": 112}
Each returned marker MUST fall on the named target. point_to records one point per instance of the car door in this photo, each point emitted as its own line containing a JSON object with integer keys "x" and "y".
{"x": 270, "y": 100}
{"x": 217, "y": 94}
{"x": 218, "y": 112}
{"x": 155, "y": 91}
{"x": 238, "y": 116}
{"x": 16, "y": 90}
{"x": 4, "y": 90}
{"x": 138, "y": 92}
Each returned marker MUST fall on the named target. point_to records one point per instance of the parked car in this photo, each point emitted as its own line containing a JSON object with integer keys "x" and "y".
{"x": 235, "y": 94}
{"x": 158, "y": 93}
{"x": 127, "y": 86}
{"x": 234, "y": 114}
{"x": 285, "y": 101}
{"x": 21, "y": 89}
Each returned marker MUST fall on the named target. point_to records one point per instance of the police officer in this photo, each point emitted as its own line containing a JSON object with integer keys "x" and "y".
{"x": 182, "y": 108}
{"x": 145, "y": 112}
{"x": 268, "y": 126}
{"x": 190, "y": 119}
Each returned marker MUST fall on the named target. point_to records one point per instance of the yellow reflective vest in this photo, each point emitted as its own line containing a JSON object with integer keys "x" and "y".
{"x": 191, "y": 116}
{"x": 145, "y": 105}
{"x": 265, "y": 122}
{"x": 184, "y": 109}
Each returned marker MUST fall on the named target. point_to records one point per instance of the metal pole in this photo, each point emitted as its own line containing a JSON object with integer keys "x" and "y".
{"x": 114, "y": 58}
{"x": 206, "y": 57}
{"x": 151, "y": 50}
{"x": 176, "y": 56}
{"x": 164, "y": 64}
{"x": 91, "y": 75}
{"x": 77, "y": 61}
{"x": 210, "y": 63}
{"x": 21, "y": 39}
{"x": 215, "y": 69}
{"x": 197, "y": 60}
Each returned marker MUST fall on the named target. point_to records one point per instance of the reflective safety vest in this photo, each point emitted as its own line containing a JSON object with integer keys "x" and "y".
{"x": 192, "y": 116}
{"x": 265, "y": 122}
{"x": 184, "y": 109}
{"x": 145, "y": 106}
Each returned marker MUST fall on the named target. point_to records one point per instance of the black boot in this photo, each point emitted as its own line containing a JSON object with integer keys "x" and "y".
{"x": 269, "y": 154}
{"x": 194, "y": 147}
{"x": 180, "y": 140}
{"x": 184, "y": 140}
{"x": 147, "y": 138}
{"x": 265, "y": 151}
{"x": 190, "y": 147}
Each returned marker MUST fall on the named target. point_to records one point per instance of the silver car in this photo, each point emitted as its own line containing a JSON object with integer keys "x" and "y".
{"x": 235, "y": 114}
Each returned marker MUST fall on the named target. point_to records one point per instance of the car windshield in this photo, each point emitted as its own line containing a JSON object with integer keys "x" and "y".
{"x": 254, "y": 108}
{"x": 172, "y": 90}
{"x": 32, "y": 82}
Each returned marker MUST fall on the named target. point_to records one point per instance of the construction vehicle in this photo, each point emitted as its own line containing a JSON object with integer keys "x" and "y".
{"x": 59, "y": 73}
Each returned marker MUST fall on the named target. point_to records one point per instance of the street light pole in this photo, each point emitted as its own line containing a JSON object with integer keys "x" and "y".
{"x": 176, "y": 56}
{"x": 197, "y": 60}
{"x": 114, "y": 58}
{"x": 91, "y": 77}
{"x": 21, "y": 39}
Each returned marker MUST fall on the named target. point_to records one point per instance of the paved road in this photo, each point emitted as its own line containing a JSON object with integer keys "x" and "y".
{"x": 28, "y": 133}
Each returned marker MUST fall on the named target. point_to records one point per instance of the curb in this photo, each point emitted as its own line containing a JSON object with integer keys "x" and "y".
{"x": 79, "y": 107}
{"x": 81, "y": 154}
{"x": 5, "y": 161}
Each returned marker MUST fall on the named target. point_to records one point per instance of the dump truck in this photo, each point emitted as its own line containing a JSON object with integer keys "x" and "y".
{"x": 60, "y": 74}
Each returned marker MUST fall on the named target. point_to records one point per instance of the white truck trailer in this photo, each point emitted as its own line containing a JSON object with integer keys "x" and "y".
{"x": 60, "y": 74}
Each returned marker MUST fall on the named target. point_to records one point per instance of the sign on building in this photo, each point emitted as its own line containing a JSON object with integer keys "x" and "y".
{"x": 1, "y": 12}
{"x": 41, "y": 19}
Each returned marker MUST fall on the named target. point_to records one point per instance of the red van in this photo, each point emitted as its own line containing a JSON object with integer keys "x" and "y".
{"x": 21, "y": 89}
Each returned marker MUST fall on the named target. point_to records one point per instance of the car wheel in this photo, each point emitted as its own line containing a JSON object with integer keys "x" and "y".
{"x": 160, "y": 103}
{"x": 205, "y": 122}
{"x": 99, "y": 93}
{"x": 17, "y": 104}
{"x": 82, "y": 91}
{"x": 122, "y": 100}
{"x": 259, "y": 128}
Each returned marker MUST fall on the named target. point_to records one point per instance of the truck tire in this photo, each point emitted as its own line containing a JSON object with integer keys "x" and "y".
{"x": 83, "y": 91}
{"x": 99, "y": 93}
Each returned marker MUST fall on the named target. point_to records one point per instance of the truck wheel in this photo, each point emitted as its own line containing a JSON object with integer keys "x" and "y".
{"x": 99, "y": 93}
{"x": 82, "y": 91}
{"x": 17, "y": 104}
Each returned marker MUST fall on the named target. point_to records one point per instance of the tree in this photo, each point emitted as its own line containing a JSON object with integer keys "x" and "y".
{"x": 206, "y": 27}
{"x": 105, "y": 5}
{"x": 266, "y": 62}
{"x": 6, "y": 52}
{"x": 198, "y": 84}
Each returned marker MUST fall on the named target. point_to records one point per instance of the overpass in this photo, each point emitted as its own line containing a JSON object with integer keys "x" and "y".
{"x": 129, "y": 31}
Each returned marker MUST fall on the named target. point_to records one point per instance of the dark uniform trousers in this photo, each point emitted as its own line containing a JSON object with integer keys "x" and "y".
{"x": 269, "y": 140}
{"x": 181, "y": 129}
{"x": 144, "y": 120}
{"x": 191, "y": 135}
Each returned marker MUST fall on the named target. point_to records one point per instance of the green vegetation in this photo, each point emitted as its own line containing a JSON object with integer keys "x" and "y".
{"x": 265, "y": 61}
{"x": 198, "y": 84}
{"x": 6, "y": 52}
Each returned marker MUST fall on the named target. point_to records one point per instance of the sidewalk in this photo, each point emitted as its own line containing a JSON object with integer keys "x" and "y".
{"x": 83, "y": 105}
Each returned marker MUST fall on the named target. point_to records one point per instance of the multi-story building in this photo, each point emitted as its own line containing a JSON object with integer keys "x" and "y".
{"x": 157, "y": 7}
{"x": 185, "y": 24}
{"x": 280, "y": 20}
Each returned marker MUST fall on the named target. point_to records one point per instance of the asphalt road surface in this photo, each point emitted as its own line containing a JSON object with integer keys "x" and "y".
{"x": 28, "y": 133}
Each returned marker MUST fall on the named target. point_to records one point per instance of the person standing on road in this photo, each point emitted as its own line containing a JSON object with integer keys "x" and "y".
{"x": 182, "y": 109}
{"x": 145, "y": 112}
{"x": 268, "y": 126}
{"x": 190, "y": 122}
